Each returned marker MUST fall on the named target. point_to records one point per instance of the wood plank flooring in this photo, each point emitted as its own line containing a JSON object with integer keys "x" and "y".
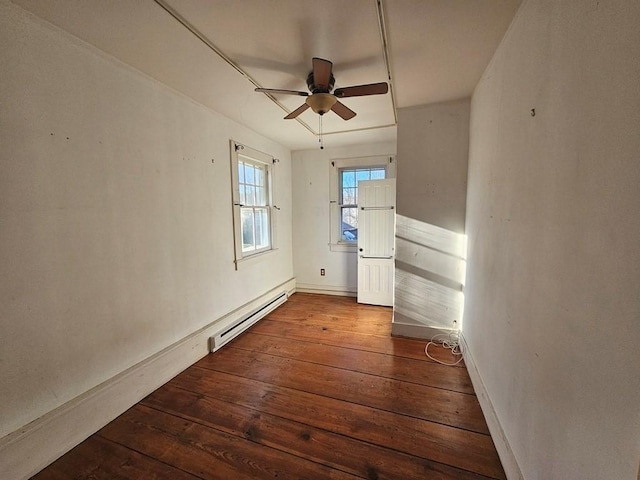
{"x": 316, "y": 390}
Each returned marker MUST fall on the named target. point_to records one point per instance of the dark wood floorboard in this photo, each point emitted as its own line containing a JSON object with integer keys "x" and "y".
{"x": 316, "y": 390}
{"x": 420, "y": 401}
{"x": 329, "y": 334}
{"x": 100, "y": 459}
{"x": 393, "y": 367}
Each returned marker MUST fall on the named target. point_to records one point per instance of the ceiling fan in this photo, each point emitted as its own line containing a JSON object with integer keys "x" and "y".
{"x": 320, "y": 82}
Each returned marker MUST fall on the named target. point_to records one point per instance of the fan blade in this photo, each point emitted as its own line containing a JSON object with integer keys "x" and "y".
{"x": 361, "y": 90}
{"x": 283, "y": 92}
{"x": 322, "y": 73}
{"x": 343, "y": 111}
{"x": 297, "y": 111}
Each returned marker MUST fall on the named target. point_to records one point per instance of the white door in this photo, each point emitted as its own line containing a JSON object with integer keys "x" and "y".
{"x": 376, "y": 246}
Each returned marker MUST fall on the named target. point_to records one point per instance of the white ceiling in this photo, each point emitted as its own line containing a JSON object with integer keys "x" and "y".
{"x": 437, "y": 51}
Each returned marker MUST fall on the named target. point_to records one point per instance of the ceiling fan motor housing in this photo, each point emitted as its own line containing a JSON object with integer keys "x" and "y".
{"x": 313, "y": 88}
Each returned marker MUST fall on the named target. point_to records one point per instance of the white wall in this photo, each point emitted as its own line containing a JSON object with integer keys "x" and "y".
{"x": 552, "y": 313}
{"x": 311, "y": 222}
{"x": 115, "y": 214}
{"x": 433, "y": 148}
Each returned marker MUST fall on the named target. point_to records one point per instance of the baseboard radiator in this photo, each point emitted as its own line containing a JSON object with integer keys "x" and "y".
{"x": 229, "y": 333}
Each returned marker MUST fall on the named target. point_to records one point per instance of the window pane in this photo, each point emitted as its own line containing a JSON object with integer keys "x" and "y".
{"x": 349, "y": 196}
{"x": 249, "y": 174}
{"x": 248, "y": 241}
{"x": 262, "y": 228}
{"x": 240, "y": 172}
{"x": 261, "y": 198}
{"x": 348, "y": 178}
{"x": 259, "y": 176}
{"x": 250, "y": 195}
{"x": 363, "y": 175}
{"x": 349, "y": 224}
{"x": 377, "y": 174}
{"x": 243, "y": 198}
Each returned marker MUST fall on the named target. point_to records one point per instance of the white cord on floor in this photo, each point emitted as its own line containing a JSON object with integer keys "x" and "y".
{"x": 450, "y": 341}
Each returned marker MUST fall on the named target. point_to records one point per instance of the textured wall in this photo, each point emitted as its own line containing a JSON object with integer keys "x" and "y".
{"x": 552, "y": 312}
{"x": 433, "y": 150}
{"x": 433, "y": 143}
{"x": 116, "y": 228}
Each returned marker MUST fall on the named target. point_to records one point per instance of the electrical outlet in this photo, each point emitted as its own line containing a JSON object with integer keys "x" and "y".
{"x": 322, "y": 272}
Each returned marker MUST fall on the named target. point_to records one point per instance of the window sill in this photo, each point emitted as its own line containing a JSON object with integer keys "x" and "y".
{"x": 254, "y": 259}
{"x": 343, "y": 247}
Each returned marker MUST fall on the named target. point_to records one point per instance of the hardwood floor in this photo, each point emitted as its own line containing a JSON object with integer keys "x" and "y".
{"x": 316, "y": 390}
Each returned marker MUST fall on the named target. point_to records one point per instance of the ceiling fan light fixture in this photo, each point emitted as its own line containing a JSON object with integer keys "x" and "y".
{"x": 321, "y": 103}
{"x": 320, "y": 82}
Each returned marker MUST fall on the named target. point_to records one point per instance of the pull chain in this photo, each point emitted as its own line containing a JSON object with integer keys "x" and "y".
{"x": 320, "y": 132}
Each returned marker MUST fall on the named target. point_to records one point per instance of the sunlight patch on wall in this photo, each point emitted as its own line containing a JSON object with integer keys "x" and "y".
{"x": 429, "y": 276}
{"x": 423, "y": 301}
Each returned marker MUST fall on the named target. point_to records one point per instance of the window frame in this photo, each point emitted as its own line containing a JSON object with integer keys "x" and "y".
{"x": 336, "y": 242}
{"x": 243, "y": 154}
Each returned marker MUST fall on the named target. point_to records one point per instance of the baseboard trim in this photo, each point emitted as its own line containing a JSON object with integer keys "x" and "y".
{"x": 508, "y": 459}
{"x": 342, "y": 291}
{"x": 25, "y": 452}
{"x": 401, "y": 328}
{"x": 422, "y": 332}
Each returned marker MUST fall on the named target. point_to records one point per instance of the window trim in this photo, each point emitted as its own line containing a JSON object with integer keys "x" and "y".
{"x": 239, "y": 151}
{"x": 336, "y": 243}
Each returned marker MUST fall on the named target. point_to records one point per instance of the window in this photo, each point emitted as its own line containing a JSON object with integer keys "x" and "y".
{"x": 345, "y": 175}
{"x": 254, "y": 206}
{"x": 252, "y": 178}
{"x": 349, "y": 178}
